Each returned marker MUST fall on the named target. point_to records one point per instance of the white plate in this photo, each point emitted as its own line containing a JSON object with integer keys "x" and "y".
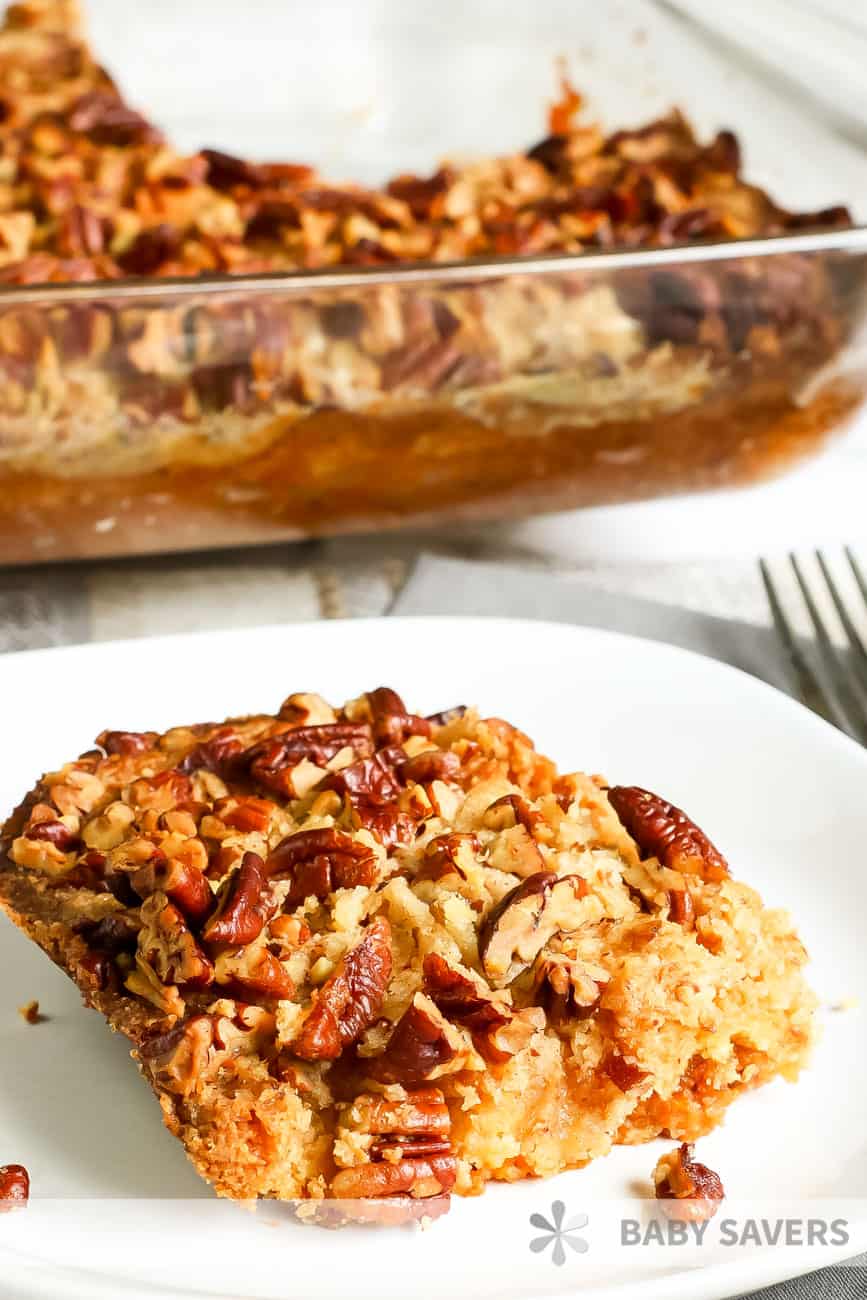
{"x": 782, "y": 793}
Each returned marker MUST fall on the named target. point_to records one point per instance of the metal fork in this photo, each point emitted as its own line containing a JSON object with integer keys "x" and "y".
{"x": 829, "y": 677}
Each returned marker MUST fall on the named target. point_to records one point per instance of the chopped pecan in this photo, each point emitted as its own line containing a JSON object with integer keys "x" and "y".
{"x": 430, "y": 765}
{"x": 695, "y": 1190}
{"x": 442, "y": 855}
{"x": 681, "y": 908}
{"x": 14, "y": 1187}
{"x": 517, "y": 929}
{"x": 162, "y": 792}
{"x": 307, "y": 709}
{"x": 392, "y": 724}
{"x": 370, "y": 781}
{"x": 271, "y": 761}
{"x": 176, "y": 1059}
{"x": 108, "y": 829}
{"x": 389, "y": 825}
{"x": 185, "y": 885}
{"x": 445, "y": 716}
{"x": 54, "y": 832}
{"x": 350, "y": 1000}
{"x": 167, "y": 944}
{"x": 419, "y": 1047}
{"x": 117, "y": 932}
{"x": 126, "y": 742}
{"x": 253, "y": 971}
{"x": 514, "y": 810}
{"x": 243, "y": 906}
{"x": 568, "y": 991}
{"x": 464, "y": 998}
{"x": 665, "y": 832}
{"x": 622, "y": 1073}
{"x": 221, "y": 755}
{"x": 106, "y": 119}
{"x": 321, "y": 861}
{"x": 154, "y": 246}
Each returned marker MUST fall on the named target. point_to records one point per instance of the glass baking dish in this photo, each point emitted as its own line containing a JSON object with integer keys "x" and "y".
{"x": 167, "y": 415}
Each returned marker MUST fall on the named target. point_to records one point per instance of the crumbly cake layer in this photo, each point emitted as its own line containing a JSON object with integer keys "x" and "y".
{"x": 365, "y": 954}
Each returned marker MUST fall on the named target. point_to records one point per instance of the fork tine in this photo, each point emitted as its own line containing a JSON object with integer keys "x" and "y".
{"x": 856, "y": 571}
{"x": 806, "y": 684}
{"x": 846, "y": 701}
{"x": 855, "y": 639}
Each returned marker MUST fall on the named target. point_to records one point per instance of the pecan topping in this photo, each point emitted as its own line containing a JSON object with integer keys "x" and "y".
{"x": 517, "y": 929}
{"x": 466, "y": 1000}
{"x": 252, "y": 972}
{"x": 220, "y": 755}
{"x": 271, "y": 761}
{"x": 161, "y": 792}
{"x": 695, "y": 1190}
{"x": 127, "y": 742}
{"x": 430, "y": 765}
{"x": 321, "y": 861}
{"x": 167, "y": 944}
{"x": 662, "y": 831}
{"x": 14, "y": 1187}
{"x": 56, "y": 833}
{"x": 185, "y": 885}
{"x": 410, "y": 1154}
{"x": 421, "y": 1177}
{"x": 514, "y": 810}
{"x": 442, "y": 855}
{"x": 242, "y": 908}
{"x": 102, "y": 115}
{"x": 371, "y": 781}
{"x": 350, "y": 1000}
{"x": 445, "y": 716}
{"x": 306, "y": 709}
{"x": 419, "y": 1047}
{"x": 247, "y": 814}
{"x": 392, "y": 724}
{"x": 176, "y": 1059}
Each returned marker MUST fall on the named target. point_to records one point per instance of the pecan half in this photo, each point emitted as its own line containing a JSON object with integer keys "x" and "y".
{"x": 693, "y": 1191}
{"x": 246, "y": 814}
{"x": 321, "y": 861}
{"x": 517, "y": 929}
{"x": 371, "y": 781}
{"x": 176, "y": 1059}
{"x": 419, "y": 1047}
{"x": 14, "y": 1188}
{"x": 167, "y": 944}
{"x": 421, "y": 1177}
{"x": 242, "y": 907}
{"x": 350, "y": 1000}
{"x": 665, "y": 832}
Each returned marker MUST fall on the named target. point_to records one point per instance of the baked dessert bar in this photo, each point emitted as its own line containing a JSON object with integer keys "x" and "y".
{"x": 181, "y": 420}
{"x": 364, "y": 955}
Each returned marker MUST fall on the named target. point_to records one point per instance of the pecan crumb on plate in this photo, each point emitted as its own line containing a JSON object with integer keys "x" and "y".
{"x": 31, "y": 1013}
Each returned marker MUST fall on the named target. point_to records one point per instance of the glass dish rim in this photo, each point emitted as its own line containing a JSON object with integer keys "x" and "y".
{"x": 307, "y": 281}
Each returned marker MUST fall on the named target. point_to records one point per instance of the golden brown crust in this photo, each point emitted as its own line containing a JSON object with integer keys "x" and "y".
{"x": 362, "y": 953}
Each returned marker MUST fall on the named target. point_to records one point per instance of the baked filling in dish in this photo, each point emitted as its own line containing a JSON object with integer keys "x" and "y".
{"x": 176, "y": 418}
{"x": 376, "y": 958}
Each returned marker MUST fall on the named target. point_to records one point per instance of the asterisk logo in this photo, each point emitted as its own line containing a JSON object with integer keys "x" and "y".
{"x": 556, "y": 1233}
